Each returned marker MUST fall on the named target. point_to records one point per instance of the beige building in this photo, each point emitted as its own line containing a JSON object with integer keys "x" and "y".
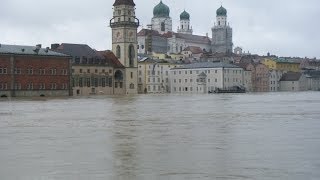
{"x": 153, "y": 76}
{"x": 93, "y": 72}
{"x": 259, "y": 76}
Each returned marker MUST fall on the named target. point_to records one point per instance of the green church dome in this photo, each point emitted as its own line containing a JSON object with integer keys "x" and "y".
{"x": 184, "y": 15}
{"x": 161, "y": 10}
{"x": 221, "y": 11}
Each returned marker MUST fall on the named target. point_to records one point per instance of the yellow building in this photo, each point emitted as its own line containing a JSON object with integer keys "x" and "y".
{"x": 281, "y": 65}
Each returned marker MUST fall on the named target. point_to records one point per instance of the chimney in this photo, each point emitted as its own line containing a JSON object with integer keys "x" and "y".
{"x": 38, "y": 46}
{"x": 54, "y": 46}
{"x": 47, "y": 49}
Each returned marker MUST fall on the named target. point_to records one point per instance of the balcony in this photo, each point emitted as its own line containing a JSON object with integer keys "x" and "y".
{"x": 134, "y": 23}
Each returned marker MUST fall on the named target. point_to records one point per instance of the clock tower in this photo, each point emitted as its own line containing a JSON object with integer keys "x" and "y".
{"x": 124, "y": 26}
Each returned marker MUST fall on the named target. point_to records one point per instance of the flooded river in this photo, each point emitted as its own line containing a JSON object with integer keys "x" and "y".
{"x": 162, "y": 137}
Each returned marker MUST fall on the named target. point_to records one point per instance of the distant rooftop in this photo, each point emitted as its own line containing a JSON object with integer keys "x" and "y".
{"x": 208, "y": 65}
{"x": 28, "y": 50}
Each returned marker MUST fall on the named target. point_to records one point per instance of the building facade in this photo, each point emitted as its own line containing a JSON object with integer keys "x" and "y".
{"x": 176, "y": 42}
{"x": 31, "y": 71}
{"x": 124, "y": 26}
{"x": 153, "y": 76}
{"x": 293, "y": 81}
{"x": 274, "y": 78}
{"x": 206, "y": 77}
{"x": 281, "y": 65}
{"x": 93, "y": 72}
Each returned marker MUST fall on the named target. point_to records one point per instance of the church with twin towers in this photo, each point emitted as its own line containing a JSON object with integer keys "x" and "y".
{"x": 160, "y": 37}
{"x": 127, "y": 42}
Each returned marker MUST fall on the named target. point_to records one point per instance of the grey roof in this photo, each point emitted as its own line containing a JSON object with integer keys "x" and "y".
{"x": 194, "y": 38}
{"x": 79, "y": 50}
{"x": 208, "y": 65}
{"x": 27, "y": 50}
{"x": 312, "y": 74}
{"x": 291, "y": 76}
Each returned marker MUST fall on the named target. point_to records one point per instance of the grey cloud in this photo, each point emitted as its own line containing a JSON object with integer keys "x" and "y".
{"x": 285, "y": 28}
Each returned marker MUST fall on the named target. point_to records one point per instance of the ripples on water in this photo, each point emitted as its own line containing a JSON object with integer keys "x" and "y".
{"x": 165, "y": 137}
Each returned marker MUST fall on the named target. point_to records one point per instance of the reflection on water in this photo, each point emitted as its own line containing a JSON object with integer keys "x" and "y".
{"x": 165, "y": 137}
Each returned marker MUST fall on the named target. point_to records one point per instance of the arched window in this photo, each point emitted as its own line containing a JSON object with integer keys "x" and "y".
{"x": 118, "y": 53}
{"x": 163, "y": 26}
{"x": 131, "y": 86}
{"x": 181, "y": 26}
{"x": 118, "y": 75}
{"x": 131, "y": 55}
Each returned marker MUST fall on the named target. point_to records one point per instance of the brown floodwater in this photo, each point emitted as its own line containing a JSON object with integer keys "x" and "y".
{"x": 162, "y": 137}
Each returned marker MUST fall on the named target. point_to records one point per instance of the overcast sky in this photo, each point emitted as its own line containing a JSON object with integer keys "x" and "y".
{"x": 284, "y": 28}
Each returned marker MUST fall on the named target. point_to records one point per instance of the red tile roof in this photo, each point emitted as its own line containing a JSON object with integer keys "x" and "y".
{"x": 194, "y": 49}
{"x": 111, "y": 58}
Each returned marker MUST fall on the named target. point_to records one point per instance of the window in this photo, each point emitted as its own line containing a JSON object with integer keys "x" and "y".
{"x": 42, "y": 86}
{"x": 131, "y": 75}
{"x": 29, "y": 71}
{"x": 4, "y": 70}
{"x": 103, "y": 82}
{"x": 88, "y": 82}
{"x": 30, "y": 86}
{"x": 17, "y": 71}
{"x": 42, "y": 71}
{"x": 53, "y": 86}
{"x": 17, "y": 86}
{"x": 88, "y": 70}
{"x": 118, "y": 52}
{"x": 163, "y": 26}
{"x": 140, "y": 80}
{"x": 80, "y": 70}
{"x": 138, "y": 46}
{"x": 131, "y": 86}
{"x": 142, "y": 46}
{"x": 109, "y": 81}
{"x": 96, "y": 82}
{"x": 131, "y": 55}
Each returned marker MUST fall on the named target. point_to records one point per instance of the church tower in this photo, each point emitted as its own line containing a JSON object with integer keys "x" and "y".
{"x": 222, "y": 33}
{"x": 124, "y": 26}
{"x": 185, "y": 27}
{"x": 161, "y": 20}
